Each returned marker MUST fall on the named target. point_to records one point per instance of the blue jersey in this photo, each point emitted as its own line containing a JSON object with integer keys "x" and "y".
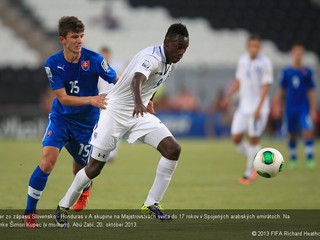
{"x": 79, "y": 79}
{"x": 296, "y": 83}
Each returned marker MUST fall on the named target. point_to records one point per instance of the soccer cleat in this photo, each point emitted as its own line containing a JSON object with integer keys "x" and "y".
{"x": 311, "y": 164}
{"x": 155, "y": 210}
{"x": 62, "y": 217}
{"x": 30, "y": 220}
{"x": 83, "y": 200}
{"x": 293, "y": 164}
{"x": 247, "y": 180}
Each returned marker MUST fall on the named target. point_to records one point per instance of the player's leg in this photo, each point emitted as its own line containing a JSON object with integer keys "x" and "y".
{"x": 255, "y": 130}
{"x": 238, "y": 128}
{"x": 79, "y": 149}
{"x": 52, "y": 143}
{"x": 162, "y": 140}
{"x": 292, "y": 128}
{"x": 307, "y": 132}
{"x": 103, "y": 142}
{"x": 40, "y": 176}
{"x": 292, "y": 149}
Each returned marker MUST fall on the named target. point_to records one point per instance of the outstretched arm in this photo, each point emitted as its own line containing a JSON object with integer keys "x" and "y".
{"x": 136, "y": 84}
{"x": 263, "y": 95}
{"x": 67, "y": 100}
{"x": 234, "y": 88}
{"x": 312, "y": 103}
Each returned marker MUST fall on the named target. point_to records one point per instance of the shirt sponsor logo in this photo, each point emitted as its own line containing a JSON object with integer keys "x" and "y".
{"x": 85, "y": 65}
{"x": 105, "y": 66}
{"x": 48, "y": 72}
{"x": 147, "y": 65}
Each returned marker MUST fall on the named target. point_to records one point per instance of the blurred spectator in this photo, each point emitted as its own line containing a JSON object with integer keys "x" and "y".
{"x": 219, "y": 120}
{"x": 184, "y": 101}
{"x": 108, "y": 20}
{"x": 103, "y": 86}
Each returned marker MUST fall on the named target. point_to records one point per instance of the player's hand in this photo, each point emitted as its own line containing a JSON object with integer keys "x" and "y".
{"x": 313, "y": 115}
{"x": 224, "y": 102}
{"x": 150, "y": 108}
{"x": 139, "y": 108}
{"x": 99, "y": 101}
{"x": 256, "y": 114}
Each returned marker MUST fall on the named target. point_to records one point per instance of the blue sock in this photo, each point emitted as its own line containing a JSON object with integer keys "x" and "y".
{"x": 309, "y": 149}
{"x": 37, "y": 183}
{"x": 293, "y": 150}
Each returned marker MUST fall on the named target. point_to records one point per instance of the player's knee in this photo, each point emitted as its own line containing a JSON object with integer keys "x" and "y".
{"x": 254, "y": 140}
{"x": 47, "y": 163}
{"x": 236, "y": 139}
{"x": 172, "y": 152}
{"x": 94, "y": 168}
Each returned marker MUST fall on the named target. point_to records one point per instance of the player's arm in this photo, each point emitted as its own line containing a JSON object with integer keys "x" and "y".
{"x": 312, "y": 103}
{"x": 264, "y": 92}
{"x": 136, "y": 85}
{"x": 67, "y": 100}
{"x": 234, "y": 88}
{"x": 150, "y": 108}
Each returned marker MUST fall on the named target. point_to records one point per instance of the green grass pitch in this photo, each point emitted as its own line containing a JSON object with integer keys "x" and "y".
{"x": 206, "y": 178}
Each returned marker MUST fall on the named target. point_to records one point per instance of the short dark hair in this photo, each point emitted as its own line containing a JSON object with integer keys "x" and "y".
{"x": 177, "y": 29}
{"x": 255, "y": 37}
{"x": 70, "y": 24}
{"x": 297, "y": 44}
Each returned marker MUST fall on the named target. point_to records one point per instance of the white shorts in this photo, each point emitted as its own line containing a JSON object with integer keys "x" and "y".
{"x": 108, "y": 131}
{"x": 244, "y": 123}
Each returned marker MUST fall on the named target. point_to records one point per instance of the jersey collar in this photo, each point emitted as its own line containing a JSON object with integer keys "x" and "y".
{"x": 163, "y": 56}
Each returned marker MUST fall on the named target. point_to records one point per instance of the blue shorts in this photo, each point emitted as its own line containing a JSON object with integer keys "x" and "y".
{"x": 75, "y": 138}
{"x": 298, "y": 121}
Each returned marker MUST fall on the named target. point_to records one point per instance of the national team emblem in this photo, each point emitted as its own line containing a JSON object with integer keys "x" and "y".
{"x": 49, "y": 133}
{"x": 104, "y": 65}
{"x": 147, "y": 65}
{"x": 85, "y": 65}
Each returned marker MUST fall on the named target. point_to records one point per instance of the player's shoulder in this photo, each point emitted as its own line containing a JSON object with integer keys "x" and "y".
{"x": 264, "y": 59}
{"x": 152, "y": 52}
{"x": 54, "y": 59}
{"x": 287, "y": 69}
{"x": 90, "y": 54}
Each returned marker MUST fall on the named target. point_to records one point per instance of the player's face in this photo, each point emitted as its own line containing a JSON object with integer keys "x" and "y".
{"x": 253, "y": 48}
{"x": 72, "y": 42}
{"x": 175, "y": 48}
{"x": 297, "y": 53}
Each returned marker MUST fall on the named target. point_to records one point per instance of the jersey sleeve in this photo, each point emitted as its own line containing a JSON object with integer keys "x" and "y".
{"x": 267, "y": 77}
{"x": 105, "y": 71}
{"x": 146, "y": 65}
{"x": 283, "y": 81}
{"x": 310, "y": 81}
{"x": 238, "y": 71}
{"x": 53, "y": 75}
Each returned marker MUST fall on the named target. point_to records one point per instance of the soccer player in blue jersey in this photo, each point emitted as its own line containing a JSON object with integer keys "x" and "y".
{"x": 73, "y": 75}
{"x": 297, "y": 88}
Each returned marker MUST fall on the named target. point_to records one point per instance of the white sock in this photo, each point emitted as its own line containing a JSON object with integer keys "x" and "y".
{"x": 242, "y": 147}
{"x": 80, "y": 181}
{"x": 164, "y": 173}
{"x": 252, "y": 150}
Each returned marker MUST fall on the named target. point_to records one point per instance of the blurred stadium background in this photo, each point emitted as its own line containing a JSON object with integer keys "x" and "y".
{"x": 188, "y": 104}
{"x": 218, "y": 31}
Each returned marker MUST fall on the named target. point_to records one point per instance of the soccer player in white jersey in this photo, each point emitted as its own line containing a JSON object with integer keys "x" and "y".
{"x": 254, "y": 76}
{"x": 128, "y": 116}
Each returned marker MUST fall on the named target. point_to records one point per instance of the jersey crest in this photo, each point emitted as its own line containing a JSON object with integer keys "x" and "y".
{"x": 85, "y": 65}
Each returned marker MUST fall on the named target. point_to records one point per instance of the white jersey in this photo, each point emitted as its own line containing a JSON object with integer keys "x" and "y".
{"x": 252, "y": 75}
{"x": 151, "y": 62}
